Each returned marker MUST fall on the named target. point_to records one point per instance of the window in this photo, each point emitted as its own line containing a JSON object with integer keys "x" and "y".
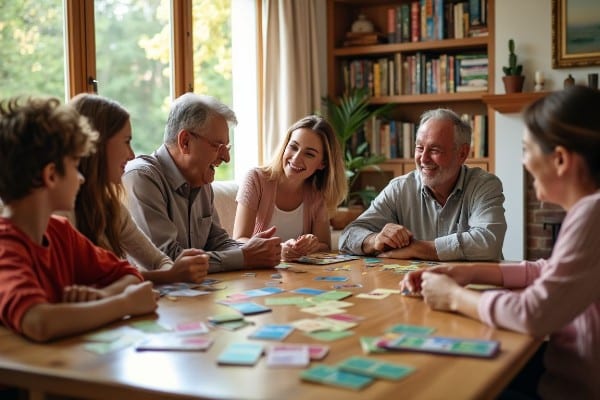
{"x": 126, "y": 47}
{"x": 133, "y": 63}
{"x": 32, "y": 48}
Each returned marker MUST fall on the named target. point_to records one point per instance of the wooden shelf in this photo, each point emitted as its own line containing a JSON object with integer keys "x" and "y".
{"x": 429, "y": 98}
{"x": 511, "y": 103}
{"x": 446, "y": 44}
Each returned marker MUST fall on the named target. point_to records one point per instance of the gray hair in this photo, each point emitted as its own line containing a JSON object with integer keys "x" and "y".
{"x": 193, "y": 111}
{"x": 462, "y": 130}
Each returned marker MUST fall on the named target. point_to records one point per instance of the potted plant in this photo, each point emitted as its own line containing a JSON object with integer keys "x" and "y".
{"x": 347, "y": 116}
{"x": 513, "y": 79}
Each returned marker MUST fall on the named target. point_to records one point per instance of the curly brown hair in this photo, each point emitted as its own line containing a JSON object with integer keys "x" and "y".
{"x": 35, "y": 132}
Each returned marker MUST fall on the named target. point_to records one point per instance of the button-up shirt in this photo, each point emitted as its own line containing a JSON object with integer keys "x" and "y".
{"x": 174, "y": 215}
{"x": 470, "y": 226}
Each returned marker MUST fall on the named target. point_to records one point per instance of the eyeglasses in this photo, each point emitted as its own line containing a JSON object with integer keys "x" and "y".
{"x": 215, "y": 145}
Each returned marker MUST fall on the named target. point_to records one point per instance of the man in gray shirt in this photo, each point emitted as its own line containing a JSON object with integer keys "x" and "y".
{"x": 170, "y": 196}
{"x": 443, "y": 210}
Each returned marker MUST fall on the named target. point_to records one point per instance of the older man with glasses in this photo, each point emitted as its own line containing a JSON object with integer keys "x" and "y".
{"x": 169, "y": 191}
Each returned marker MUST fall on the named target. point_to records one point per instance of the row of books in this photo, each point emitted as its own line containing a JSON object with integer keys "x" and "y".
{"x": 420, "y": 73}
{"x": 396, "y": 139}
{"x": 424, "y": 20}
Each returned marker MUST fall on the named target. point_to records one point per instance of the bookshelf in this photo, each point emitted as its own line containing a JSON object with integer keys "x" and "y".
{"x": 438, "y": 49}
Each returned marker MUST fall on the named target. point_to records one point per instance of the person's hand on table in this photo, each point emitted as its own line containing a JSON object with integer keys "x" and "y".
{"x": 190, "y": 266}
{"x": 392, "y": 236}
{"x": 262, "y": 250}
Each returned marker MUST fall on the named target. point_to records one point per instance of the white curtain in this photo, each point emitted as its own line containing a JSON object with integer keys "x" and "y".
{"x": 291, "y": 87}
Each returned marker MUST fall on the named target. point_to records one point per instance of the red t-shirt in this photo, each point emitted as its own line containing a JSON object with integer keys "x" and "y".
{"x": 31, "y": 274}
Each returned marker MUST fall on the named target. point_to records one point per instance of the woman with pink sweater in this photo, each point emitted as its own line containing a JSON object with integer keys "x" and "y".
{"x": 558, "y": 297}
{"x": 294, "y": 193}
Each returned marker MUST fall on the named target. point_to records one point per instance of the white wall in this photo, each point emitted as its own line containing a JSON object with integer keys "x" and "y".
{"x": 529, "y": 23}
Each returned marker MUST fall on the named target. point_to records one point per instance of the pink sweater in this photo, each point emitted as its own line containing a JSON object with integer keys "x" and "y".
{"x": 258, "y": 193}
{"x": 561, "y": 299}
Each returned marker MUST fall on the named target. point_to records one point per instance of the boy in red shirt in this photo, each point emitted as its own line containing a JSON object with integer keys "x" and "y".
{"x": 53, "y": 281}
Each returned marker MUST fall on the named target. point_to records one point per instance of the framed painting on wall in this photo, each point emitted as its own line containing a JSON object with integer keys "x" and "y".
{"x": 575, "y": 33}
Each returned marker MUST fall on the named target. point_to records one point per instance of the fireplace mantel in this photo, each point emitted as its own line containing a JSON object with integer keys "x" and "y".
{"x": 511, "y": 103}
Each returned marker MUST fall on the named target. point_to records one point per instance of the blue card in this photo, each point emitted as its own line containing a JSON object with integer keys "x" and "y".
{"x": 332, "y": 278}
{"x": 309, "y": 291}
{"x": 333, "y": 376}
{"x": 241, "y": 354}
{"x": 272, "y": 332}
{"x": 263, "y": 291}
{"x": 249, "y": 308}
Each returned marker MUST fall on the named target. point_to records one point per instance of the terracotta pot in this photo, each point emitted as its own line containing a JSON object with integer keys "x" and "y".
{"x": 344, "y": 215}
{"x": 513, "y": 83}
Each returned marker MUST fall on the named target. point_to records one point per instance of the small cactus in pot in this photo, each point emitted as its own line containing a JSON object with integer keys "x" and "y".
{"x": 513, "y": 81}
{"x": 513, "y": 68}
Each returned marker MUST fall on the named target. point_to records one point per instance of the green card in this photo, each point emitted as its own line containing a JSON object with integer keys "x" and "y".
{"x": 109, "y": 347}
{"x": 333, "y": 376}
{"x": 149, "y": 326}
{"x": 411, "y": 329}
{"x": 331, "y": 295}
{"x": 299, "y": 301}
{"x": 368, "y": 345}
{"x": 329, "y": 336}
{"x": 374, "y": 368}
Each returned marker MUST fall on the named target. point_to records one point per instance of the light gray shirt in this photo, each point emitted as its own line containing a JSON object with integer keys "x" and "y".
{"x": 176, "y": 216}
{"x": 470, "y": 226}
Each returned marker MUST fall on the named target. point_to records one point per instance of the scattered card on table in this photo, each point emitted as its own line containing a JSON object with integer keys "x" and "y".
{"x": 249, "y": 308}
{"x": 108, "y": 347}
{"x": 149, "y": 326}
{"x": 234, "y": 325}
{"x": 288, "y": 355}
{"x": 411, "y": 329}
{"x": 240, "y": 354}
{"x": 272, "y": 332}
{"x": 331, "y": 295}
{"x": 333, "y": 376}
{"x": 325, "y": 258}
{"x": 329, "y": 336}
{"x": 194, "y": 327}
{"x": 288, "y": 301}
{"x": 209, "y": 281}
{"x": 375, "y": 368}
{"x": 332, "y": 278}
{"x": 175, "y": 343}
{"x": 225, "y": 317}
{"x": 308, "y": 291}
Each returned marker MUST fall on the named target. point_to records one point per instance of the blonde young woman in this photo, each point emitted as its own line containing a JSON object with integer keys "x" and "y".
{"x": 296, "y": 191}
{"x": 99, "y": 212}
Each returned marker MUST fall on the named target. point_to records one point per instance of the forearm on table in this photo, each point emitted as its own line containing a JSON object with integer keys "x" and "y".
{"x": 465, "y": 301}
{"x": 120, "y": 284}
{"x": 45, "y": 321}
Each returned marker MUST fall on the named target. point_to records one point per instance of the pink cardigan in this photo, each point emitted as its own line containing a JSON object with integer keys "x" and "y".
{"x": 258, "y": 193}
{"x": 561, "y": 299}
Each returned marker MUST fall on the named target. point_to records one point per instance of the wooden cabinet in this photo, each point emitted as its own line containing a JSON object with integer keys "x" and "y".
{"x": 411, "y": 98}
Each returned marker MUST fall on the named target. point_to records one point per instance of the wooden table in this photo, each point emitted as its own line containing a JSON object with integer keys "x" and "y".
{"x": 65, "y": 367}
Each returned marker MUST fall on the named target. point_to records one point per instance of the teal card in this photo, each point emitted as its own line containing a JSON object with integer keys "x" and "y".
{"x": 375, "y": 368}
{"x": 333, "y": 376}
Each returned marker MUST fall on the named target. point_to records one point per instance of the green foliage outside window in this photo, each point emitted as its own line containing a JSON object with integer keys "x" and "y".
{"x": 133, "y": 47}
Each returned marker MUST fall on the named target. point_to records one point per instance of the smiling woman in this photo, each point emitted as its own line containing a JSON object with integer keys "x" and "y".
{"x": 295, "y": 191}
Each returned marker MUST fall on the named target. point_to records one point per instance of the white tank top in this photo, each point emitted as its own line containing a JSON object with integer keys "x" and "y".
{"x": 289, "y": 223}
